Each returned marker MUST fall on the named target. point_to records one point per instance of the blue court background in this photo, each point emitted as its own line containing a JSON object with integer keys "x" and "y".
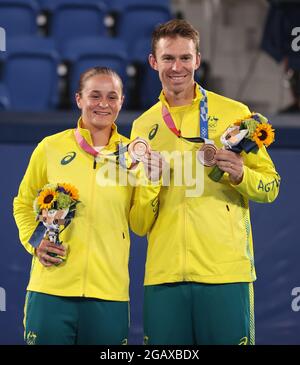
{"x": 276, "y": 242}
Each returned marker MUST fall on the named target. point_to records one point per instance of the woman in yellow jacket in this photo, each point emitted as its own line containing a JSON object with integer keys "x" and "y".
{"x": 83, "y": 299}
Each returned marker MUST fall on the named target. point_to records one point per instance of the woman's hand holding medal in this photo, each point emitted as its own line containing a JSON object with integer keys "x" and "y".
{"x": 153, "y": 161}
{"x": 153, "y": 165}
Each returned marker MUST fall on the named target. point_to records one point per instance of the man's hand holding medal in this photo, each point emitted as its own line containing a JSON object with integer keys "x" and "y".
{"x": 248, "y": 135}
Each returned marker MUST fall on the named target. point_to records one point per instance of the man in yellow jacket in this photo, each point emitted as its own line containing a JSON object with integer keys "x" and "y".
{"x": 200, "y": 264}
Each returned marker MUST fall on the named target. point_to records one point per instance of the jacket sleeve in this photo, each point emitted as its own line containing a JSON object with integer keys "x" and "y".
{"x": 145, "y": 201}
{"x": 34, "y": 179}
{"x": 260, "y": 181}
{"x": 144, "y": 205}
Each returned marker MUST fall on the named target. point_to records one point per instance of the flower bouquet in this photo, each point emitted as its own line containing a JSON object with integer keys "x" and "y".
{"x": 55, "y": 207}
{"x": 246, "y": 135}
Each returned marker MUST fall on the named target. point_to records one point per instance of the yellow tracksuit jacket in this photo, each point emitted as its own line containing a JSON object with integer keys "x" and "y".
{"x": 97, "y": 238}
{"x": 205, "y": 238}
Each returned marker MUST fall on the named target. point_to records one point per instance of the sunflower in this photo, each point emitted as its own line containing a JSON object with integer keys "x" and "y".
{"x": 46, "y": 198}
{"x": 71, "y": 190}
{"x": 263, "y": 135}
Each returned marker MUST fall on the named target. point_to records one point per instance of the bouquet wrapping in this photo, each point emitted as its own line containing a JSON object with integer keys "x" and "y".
{"x": 55, "y": 207}
{"x": 246, "y": 135}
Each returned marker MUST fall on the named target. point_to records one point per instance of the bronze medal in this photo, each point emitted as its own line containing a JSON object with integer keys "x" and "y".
{"x": 206, "y": 154}
{"x": 138, "y": 148}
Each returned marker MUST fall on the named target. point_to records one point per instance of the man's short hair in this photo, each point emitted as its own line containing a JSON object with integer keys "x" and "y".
{"x": 175, "y": 28}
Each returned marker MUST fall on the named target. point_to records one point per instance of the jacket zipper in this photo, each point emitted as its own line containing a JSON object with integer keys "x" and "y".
{"x": 185, "y": 225}
{"x": 89, "y": 233}
{"x": 185, "y": 245}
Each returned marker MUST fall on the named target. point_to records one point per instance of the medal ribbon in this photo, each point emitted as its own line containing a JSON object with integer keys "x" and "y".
{"x": 82, "y": 142}
{"x": 91, "y": 150}
{"x": 203, "y": 108}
